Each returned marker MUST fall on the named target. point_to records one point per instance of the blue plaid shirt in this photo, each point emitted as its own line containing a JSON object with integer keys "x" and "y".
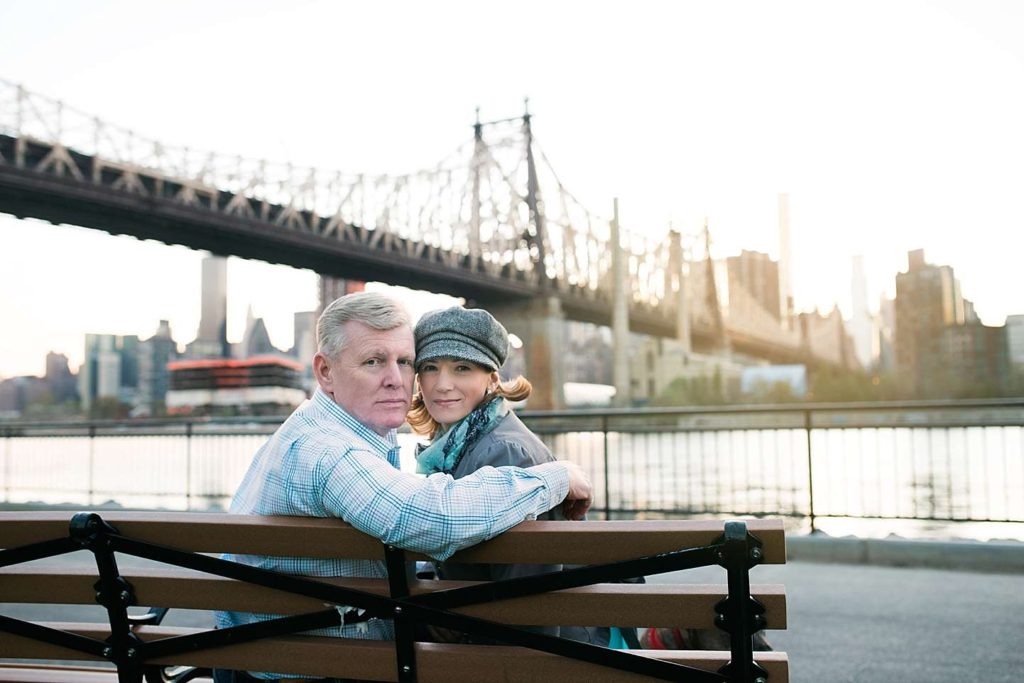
{"x": 323, "y": 463}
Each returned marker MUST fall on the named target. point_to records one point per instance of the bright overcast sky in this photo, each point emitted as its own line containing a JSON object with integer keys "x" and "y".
{"x": 892, "y": 126}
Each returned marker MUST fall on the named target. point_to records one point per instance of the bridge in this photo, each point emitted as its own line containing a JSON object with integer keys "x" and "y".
{"x": 491, "y": 222}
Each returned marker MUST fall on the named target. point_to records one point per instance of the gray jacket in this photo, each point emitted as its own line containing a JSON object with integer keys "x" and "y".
{"x": 509, "y": 443}
{"x": 512, "y": 443}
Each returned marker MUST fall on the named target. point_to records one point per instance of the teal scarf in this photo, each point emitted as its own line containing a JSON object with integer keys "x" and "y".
{"x": 448, "y": 447}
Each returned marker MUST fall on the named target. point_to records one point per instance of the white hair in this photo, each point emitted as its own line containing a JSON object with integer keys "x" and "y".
{"x": 375, "y": 310}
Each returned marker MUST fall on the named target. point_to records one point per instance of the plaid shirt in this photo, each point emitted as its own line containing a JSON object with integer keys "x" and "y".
{"x": 323, "y": 463}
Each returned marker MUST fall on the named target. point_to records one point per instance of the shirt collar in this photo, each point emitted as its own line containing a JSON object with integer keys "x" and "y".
{"x": 381, "y": 443}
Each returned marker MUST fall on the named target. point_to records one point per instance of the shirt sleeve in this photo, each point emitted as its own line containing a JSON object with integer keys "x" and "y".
{"x": 436, "y": 515}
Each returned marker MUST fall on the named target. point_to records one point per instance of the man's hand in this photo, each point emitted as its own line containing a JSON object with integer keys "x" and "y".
{"x": 581, "y": 493}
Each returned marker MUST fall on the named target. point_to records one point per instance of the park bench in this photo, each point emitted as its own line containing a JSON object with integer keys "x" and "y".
{"x": 182, "y": 570}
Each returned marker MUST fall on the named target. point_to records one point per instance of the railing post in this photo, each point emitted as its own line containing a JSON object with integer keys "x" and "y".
{"x": 188, "y": 465}
{"x": 808, "y": 426}
{"x": 19, "y": 128}
{"x": 92, "y": 463}
{"x": 8, "y": 441}
{"x": 607, "y": 487}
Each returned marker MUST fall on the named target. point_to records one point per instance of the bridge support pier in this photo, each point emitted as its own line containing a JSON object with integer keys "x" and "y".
{"x": 620, "y": 314}
{"x": 679, "y": 285}
{"x": 540, "y": 324}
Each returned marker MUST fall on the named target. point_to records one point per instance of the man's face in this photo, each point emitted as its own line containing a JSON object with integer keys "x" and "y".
{"x": 372, "y": 376}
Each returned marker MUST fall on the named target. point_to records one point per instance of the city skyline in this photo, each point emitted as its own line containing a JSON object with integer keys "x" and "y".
{"x": 763, "y": 287}
{"x": 909, "y": 144}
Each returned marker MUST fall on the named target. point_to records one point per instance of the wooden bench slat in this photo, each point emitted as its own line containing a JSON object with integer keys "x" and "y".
{"x": 683, "y": 605}
{"x": 530, "y": 542}
{"x": 375, "y": 660}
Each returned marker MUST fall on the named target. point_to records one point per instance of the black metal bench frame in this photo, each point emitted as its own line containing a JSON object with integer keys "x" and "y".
{"x": 738, "y": 614}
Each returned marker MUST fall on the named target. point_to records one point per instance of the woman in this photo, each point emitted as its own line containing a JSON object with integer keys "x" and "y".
{"x": 462, "y": 406}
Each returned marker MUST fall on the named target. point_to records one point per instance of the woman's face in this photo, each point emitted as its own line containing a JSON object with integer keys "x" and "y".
{"x": 453, "y": 388}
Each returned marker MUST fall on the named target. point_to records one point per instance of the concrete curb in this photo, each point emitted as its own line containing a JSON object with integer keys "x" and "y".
{"x": 989, "y": 556}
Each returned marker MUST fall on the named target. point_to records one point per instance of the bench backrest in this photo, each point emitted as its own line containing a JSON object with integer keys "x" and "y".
{"x": 162, "y": 536}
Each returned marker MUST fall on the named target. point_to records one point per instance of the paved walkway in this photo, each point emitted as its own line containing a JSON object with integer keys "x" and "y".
{"x": 870, "y": 624}
{"x": 848, "y": 623}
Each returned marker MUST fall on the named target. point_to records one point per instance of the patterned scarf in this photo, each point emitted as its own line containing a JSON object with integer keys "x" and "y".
{"x": 445, "y": 452}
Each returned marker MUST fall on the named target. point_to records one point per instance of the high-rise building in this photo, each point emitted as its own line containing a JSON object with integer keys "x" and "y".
{"x": 255, "y": 339}
{"x": 99, "y": 375}
{"x": 886, "y": 326}
{"x": 786, "y": 307}
{"x": 971, "y": 355}
{"x": 758, "y": 275}
{"x": 305, "y": 345}
{"x": 212, "y": 337}
{"x": 1015, "y": 339}
{"x": 110, "y": 369}
{"x": 19, "y": 393}
{"x": 59, "y": 378}
{"x": 305, "y": 335}
{"x": 860, "y": 322}
{"x": 153, "y": 356}
{"x": 212, "y": 324}
{"x": 825, "y": 337}
{"x": 927, "y": 300}
{"x": 332, "y": 288}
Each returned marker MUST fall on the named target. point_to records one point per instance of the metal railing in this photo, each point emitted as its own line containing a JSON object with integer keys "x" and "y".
{"x": 921, "y": 460}
{"x": 947, "y": 461}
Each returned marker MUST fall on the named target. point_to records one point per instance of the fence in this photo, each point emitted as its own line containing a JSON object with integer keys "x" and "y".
{"x": 942, "y": 461}
{"x": 939, "y": 461}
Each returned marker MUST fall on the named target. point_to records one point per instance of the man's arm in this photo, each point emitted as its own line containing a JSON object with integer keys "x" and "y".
{"x": 439, "y": 515}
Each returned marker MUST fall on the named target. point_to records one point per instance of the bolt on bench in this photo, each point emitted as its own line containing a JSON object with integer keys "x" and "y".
{"x": 186, "y": 575}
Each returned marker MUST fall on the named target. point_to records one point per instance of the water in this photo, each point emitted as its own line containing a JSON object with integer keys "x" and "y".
{"x": 928, "y": 476}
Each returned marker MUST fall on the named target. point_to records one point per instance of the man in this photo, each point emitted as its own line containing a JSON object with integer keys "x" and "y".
{"x": 337, "y": 456}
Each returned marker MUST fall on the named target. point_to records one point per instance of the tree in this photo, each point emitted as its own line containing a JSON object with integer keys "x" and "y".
{"x": 702, "y": 390}
{"x": 108, "y": 408}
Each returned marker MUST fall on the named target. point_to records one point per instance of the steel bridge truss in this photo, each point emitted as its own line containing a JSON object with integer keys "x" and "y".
{"x": 494, "y": 206}
{"x": 493, "y": 212}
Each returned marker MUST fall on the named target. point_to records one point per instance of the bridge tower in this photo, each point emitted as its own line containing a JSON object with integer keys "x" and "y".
{"x": 718, "y": 333}
{"x": 476, "y": 164}
{"x": 675, "y": 282}
{"x": 620, "y": 314}
{"x": 539, "y": 322}
{"x": 533, "y": 200}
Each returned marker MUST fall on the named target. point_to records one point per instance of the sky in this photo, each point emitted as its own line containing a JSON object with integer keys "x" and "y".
{"x": 891, "y": 125}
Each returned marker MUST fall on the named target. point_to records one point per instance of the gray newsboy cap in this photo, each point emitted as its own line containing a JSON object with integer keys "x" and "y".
{"x": 464, "y": 333}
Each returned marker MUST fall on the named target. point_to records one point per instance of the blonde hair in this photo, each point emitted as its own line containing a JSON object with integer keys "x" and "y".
{"x": 418, "y": 417}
